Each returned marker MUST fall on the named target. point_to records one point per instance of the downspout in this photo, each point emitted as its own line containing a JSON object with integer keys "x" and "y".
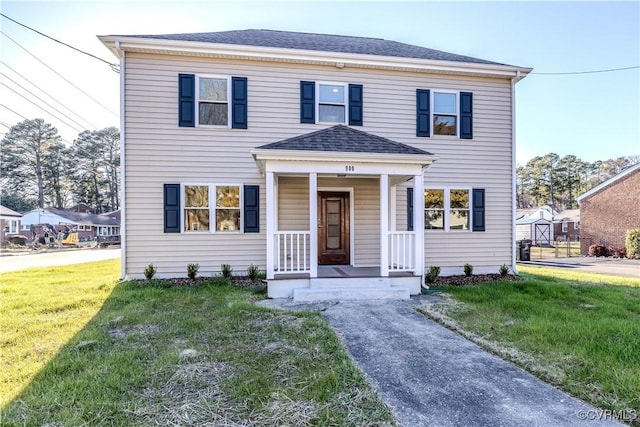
{"x": 123, "y": 193}
{"x": 514, "y": 80}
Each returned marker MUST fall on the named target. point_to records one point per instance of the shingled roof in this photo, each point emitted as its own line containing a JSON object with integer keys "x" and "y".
{"x": 344, "y": 139}
{"x": 319, "y": 42}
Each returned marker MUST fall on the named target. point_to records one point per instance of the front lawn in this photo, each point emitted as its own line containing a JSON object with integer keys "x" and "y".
{"x": 581, "y": 336}
{"x": 135, "y": 354}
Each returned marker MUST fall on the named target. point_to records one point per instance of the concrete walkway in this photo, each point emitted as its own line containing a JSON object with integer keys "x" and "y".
{"x": 613, "y": 266}
{"x": 431, "y": 376}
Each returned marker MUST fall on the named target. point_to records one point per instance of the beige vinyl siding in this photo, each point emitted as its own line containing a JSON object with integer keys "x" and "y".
{"x": 157, "y": 151}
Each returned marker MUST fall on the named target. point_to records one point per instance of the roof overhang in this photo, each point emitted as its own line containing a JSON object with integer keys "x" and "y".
{"x": 341, "y": 163}
{"x": 118, "y": 44}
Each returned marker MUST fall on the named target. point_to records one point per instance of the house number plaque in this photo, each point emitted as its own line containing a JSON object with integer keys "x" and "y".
{"x": 350, "y": 168}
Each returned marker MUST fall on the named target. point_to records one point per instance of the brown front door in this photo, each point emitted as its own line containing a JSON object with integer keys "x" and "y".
{"x": 333, "y": 228}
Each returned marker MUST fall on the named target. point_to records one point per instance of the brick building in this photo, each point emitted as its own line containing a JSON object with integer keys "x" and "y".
{"x": 609, "y": 210}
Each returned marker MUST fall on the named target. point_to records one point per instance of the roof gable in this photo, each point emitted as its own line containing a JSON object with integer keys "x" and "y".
{"x": 341, "y": 138}
{"x": 319, "y": 42}
{"x": 609, "y": 182}
{"x": 4, "y": 211}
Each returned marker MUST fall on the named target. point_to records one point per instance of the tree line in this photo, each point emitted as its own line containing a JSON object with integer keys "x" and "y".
{"x": 558, "y": 181}
{"x": 38, "y": 170}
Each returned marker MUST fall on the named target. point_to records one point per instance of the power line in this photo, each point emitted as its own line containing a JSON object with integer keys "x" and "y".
{"x": 610, "y": 70}
{"x": 40, "y": 107}
{"x": 112, "y": 65}
{"x": 45, "y": 92}
{"x": 60, "y": 75}
{"x": 14, "y": 112}
{"x": 41, "y": 100}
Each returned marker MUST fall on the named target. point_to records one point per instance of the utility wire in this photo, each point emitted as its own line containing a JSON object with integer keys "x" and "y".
{"x": 14, "y": 112}
{"x": 112, "y": 65}
{"x": 45, "y": 92}
{"x": 40, "y": 107}
{"x": 588, "y": 72}
{"x": 41, "y": 100}
{"x": 60, "y": 75}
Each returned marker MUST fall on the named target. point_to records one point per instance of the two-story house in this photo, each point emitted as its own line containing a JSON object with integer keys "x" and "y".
{"x": 343, "y": 166}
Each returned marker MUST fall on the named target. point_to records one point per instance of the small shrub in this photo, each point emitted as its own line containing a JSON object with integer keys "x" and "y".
{"x": 617, "y": 252}
{"x": 192, "y": 270}
{"x": 150, "y": 271}
{"x": 597, "y": 250}
{"x": 253, "y": 272}
{"x": 632, "y": 242}
{"x": 432, "y": 274}
{"x": 504, "y": 270}
{"x": 468, "y": 270}
{"x": 227, "y": 271}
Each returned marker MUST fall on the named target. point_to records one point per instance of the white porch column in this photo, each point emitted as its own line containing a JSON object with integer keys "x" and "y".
{"x": 384, "y": 225}
{"x": 271, "y": 221}
{"x": 418, "y": 221}
{"x": 313, "y": 224}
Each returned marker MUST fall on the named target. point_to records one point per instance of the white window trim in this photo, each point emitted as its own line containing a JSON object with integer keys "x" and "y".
{"x": 434, "y": 113}
{"x": 565, "y": 226}
{"x": 447, "y": 209}
{"x": 197, "y": 96}
{"x": 212, "y": 207}
{"x": 346, "y": 101}
{"x": 576, "y": 225}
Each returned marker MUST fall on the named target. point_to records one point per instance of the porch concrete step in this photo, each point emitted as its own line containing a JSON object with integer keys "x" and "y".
{"x": 344, "y": 293}
{"x": 337, "y": 282}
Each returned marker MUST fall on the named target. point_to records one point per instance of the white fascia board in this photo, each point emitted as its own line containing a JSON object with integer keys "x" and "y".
{"x": 339, "y": 156}
{"x": 180, "y": 47}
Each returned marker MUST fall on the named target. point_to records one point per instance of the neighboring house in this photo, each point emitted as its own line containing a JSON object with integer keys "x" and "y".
{"x": 88, "y": 225}
{"x": 9, "y": 223}
{"x": 319, "y": 158}
{"x": 608, "y": 210}
{"x": 566, "y": 225}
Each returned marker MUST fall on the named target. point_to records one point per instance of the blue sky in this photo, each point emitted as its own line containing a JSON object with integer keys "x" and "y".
{"x": 593, "y": 116}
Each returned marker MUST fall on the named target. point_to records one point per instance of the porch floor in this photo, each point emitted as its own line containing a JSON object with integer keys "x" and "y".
{"x": 331, "y": 271}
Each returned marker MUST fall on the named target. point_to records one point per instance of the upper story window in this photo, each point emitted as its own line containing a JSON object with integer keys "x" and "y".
{"x": 219, "y": 101}
{"x": 329, "y": 102}
{"x": 213, "y": 101}
{"x": 445, "y": 115}
{"x": 332, "y": 102}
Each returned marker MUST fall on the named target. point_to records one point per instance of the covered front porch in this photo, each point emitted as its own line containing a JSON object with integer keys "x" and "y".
{"x": 341, "y": 219}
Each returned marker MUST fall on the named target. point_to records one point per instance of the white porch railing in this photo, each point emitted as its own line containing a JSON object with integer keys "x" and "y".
{"x": 292, "y": 252}
{"x": 402, "y": 246}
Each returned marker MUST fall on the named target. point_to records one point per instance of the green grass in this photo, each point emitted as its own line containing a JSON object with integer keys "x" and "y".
{"x": 582, "y": 337}
{"x": 157, "y": 355}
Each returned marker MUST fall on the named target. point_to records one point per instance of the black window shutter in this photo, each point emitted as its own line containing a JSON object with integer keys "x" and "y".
{"x": 409, "y": 209}
{"x": 239, "y": 102}
{"x": 172, "y": 208}
{"x": 466, "y": 115}
{"x": 251, "y": 209}
{"x": 423, "y": 121}
{"x": 355, "y": 105}
{"x": 307, "y": 102}
{"x": 478, "y": 209}
{"x": 186, "y": 100}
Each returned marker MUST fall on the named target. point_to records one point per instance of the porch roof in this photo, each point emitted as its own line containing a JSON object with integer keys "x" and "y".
{"x": 341, "y": 138}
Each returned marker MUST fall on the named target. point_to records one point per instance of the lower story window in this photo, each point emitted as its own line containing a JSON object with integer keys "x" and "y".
{"x": 200, "y": 209}
{"x": 446, "y": 209}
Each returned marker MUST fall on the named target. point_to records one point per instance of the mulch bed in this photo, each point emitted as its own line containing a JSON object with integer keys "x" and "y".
{"x": 474, "y": 279}
{"x": 184, "y": 281}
